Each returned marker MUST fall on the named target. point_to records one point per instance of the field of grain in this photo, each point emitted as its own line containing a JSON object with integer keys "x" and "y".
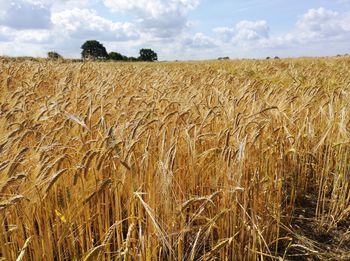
{"x": 230, "y": 160}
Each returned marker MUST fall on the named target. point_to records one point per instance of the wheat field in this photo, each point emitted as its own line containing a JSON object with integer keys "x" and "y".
{"x": 230, "y": 160}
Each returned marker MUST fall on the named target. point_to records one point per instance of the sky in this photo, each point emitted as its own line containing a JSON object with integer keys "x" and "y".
{"x": 177, "y": 29}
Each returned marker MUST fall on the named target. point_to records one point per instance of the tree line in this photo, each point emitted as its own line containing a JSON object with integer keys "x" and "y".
{"x": 94, "y": 50}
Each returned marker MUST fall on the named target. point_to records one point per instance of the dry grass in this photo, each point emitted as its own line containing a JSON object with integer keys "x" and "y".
{"x": 234, "y": 160}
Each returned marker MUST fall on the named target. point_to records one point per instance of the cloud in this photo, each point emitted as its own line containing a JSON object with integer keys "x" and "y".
{"x": 21, "y": 49}
{"x": 4, "y": 34}
{"x": 251, "y": 30}
{"x": 244, "y": 31}
{"x": 199, "y": 40}
{"x": 34, "y": 27}
{"x": 161, "y": 18}
{"x": 33, "y": 36}
{"x": 315, "y": 27}
{"x": 226, "y": 33}
{"x": 321, "y": 21}
{"x": 60, "y": 5}
{"x": 69, "y": 29}
{"x": 25, "y": 15}
{"x": 84, "y": 24}
{"x": 318, "y": 26}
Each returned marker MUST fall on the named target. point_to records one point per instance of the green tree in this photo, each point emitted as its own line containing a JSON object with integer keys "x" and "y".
{"x": 132, "y": 59}
{"x": 116, "y": 56}
{"x": 54, "y": 55}
{"x": 93, "y": 49}
{"x": 148, "y": 55}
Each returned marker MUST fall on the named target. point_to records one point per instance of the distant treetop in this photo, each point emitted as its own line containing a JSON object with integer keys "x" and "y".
{"x": 54, "y": 55}
{"x": 116, "y": 56}
{"x": 93, "y": 49}
{"x": 148, "y": 55}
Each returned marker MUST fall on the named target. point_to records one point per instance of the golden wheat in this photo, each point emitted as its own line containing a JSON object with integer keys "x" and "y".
{"x": 229, "y": 160}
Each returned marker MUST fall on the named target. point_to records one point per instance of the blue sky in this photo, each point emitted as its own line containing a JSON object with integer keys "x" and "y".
{"x": 177, "y": 29}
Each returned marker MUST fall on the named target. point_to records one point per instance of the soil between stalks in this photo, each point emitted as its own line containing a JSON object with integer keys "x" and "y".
{"x": 311, "y": 241}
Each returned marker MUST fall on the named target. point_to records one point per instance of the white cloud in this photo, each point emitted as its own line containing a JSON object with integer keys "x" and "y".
{"x": 322, "y": 21}
{"x": 315, "y": 29}
{"x": 244, "y": 31}
{"x": 199, "y": 40}
{"x": 251, "y": 30}
{"x": 34, "y": 27}
{"x": 69, "y": 29}
{"x": 3, "y": 38}
{"x": 61, "y": 5}
{"x": 84, "y": 24}
{"x": 22, "y": 49}
{"x": 226, "y": 33}
{"x": 319, "y": 26}
{"x": 25, "y": 15}
{"x": 155, "y": 23}
{"x": 161, "y": 18}
{"x": 33, "y": 36}
{"x": 4, "y": 34}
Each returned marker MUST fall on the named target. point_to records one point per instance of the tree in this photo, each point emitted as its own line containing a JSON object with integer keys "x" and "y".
{"x": 148, "y": 55}
{"x": 116, "y": 56}
{"x": 93, "y": 49}
{"x": 132, "y": 59}
{"x": 53, "y": 55}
